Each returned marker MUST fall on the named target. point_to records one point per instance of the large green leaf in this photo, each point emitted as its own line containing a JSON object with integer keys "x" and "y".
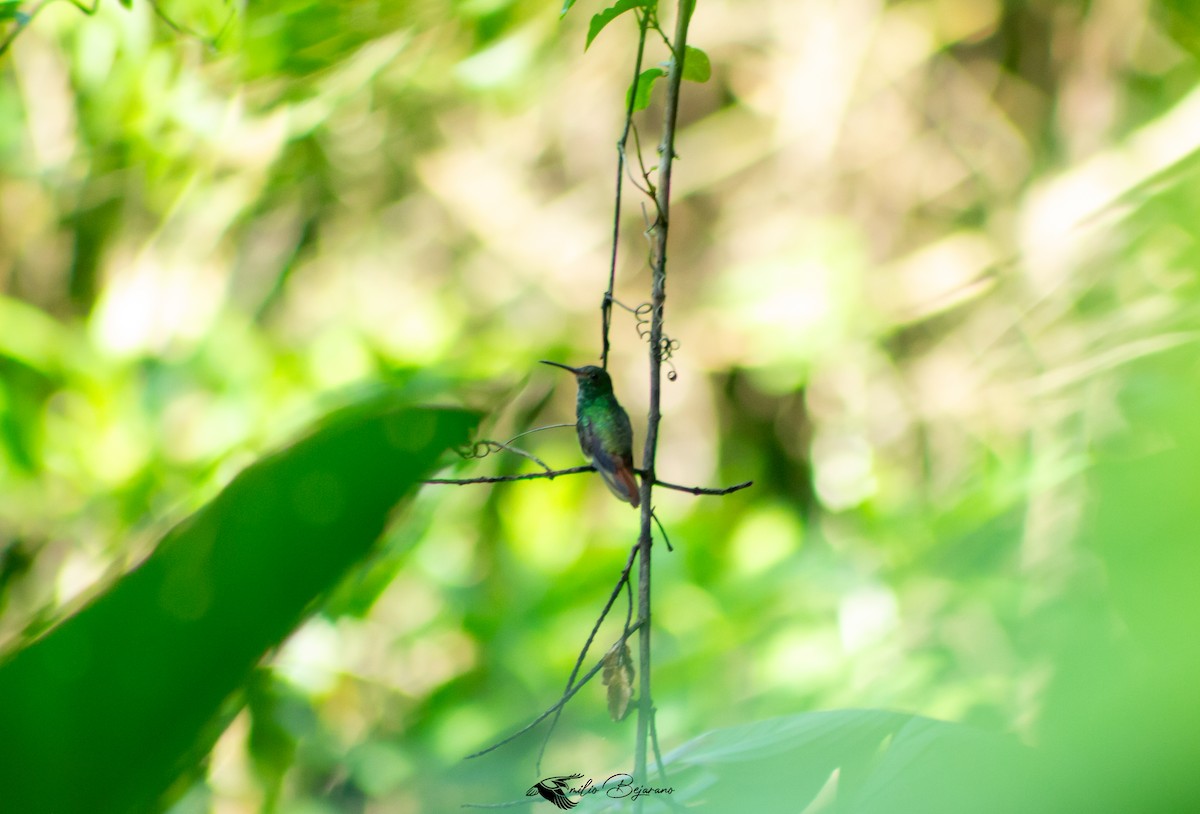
{"x": 744, "y": 765}
{"x": 1120, "y": 713}
{"x": 828, "y": 733}
{"x": 866, "y": 760}
{"x": 937, "y": 767}
{"x": 103, "y": 712}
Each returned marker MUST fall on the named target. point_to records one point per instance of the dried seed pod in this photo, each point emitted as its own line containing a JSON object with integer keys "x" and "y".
{"x": 617, "y": 675}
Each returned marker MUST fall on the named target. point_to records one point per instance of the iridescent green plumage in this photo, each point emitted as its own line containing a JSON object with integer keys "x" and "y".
{"x": 605, "y": 435}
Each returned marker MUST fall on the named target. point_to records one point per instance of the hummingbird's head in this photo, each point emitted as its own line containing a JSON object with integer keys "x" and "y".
{"x": 592, "y": 380}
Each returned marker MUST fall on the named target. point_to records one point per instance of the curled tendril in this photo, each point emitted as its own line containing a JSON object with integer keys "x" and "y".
{"x": 642, "y": 315}
{"x": 667, "y": 346}
{"x": 485, "y": 447}
{"x": 479, "y": 449}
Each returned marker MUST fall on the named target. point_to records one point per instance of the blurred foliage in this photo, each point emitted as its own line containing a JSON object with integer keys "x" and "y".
{"x": 934, "y": 283}
{"x": 115, "y": 700}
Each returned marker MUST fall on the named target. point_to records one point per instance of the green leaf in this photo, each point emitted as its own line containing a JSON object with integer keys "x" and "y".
{"x": 126, "y": 3}
{"x": 566, "y": 7}
{"x": 599, "y": 21}
{"x": 9, "y": 9}
{"x": 103, "y": 712}
{"x": 887, "y": 763}
{"x": 645, "y": 84}
{"x": 808, "y": 734}
{"x": 696, "y": 67}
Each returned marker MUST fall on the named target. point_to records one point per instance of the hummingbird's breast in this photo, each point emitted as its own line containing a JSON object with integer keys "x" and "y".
{"x": 603, "y": 424}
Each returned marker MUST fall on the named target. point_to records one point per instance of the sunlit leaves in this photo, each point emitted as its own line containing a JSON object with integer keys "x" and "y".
{"x": 599, "y": 21}
{"x": 645, "y": 84}
{"x": 696, "y": 67}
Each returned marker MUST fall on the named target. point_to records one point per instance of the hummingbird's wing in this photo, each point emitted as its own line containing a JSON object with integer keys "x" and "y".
{"x": 616, "y": 467}
{"x": 618, "y": 476}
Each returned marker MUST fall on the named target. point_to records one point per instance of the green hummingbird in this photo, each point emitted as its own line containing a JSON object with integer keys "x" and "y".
{"x": 604, "y": 431}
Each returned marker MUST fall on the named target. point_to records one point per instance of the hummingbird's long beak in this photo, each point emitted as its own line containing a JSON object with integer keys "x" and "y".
{"x": 574, "y": 370}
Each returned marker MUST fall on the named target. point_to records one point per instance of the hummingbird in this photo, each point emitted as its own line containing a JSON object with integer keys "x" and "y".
{"x": 605, "y": 435}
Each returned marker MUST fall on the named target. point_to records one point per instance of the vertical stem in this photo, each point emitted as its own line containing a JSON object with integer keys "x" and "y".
{"x": 658, "y": 296}
{"x": 606, "y": 306}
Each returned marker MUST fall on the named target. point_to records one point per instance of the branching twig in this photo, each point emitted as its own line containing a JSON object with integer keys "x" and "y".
{"x": 662, "y": 530}
{"x": 628, "y": 629}
{"x": 650, "y": 190}
{"x": 658, "y": 30}
{"x": 557, "y": 705}
{"x": 622, "y": 581}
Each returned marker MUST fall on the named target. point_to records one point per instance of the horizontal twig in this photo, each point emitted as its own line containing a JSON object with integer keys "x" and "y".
{"x": 575, "y": 470}
{"x": 701, "y": 490}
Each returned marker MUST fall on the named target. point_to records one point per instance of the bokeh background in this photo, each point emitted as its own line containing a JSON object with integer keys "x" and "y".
{"x": 933, "y": 262}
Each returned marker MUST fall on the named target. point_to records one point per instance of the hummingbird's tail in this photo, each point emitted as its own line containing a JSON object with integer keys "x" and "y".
{"x": 618, "y": 476}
